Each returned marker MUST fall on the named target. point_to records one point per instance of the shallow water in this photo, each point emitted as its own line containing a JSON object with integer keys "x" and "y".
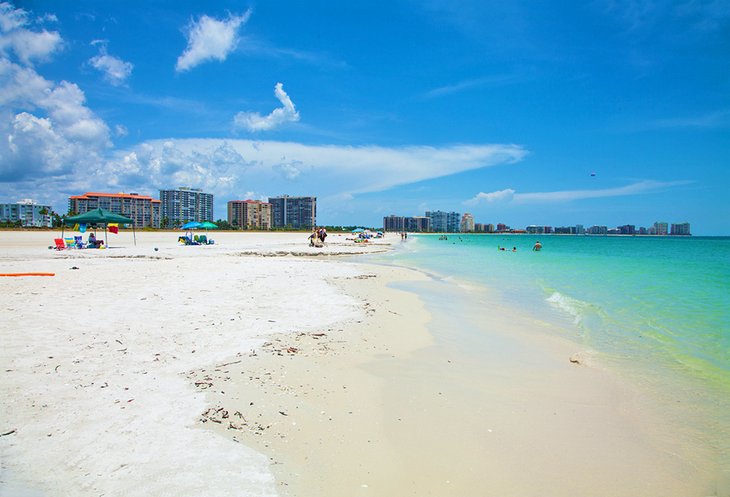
{"x": 655, "y": 309}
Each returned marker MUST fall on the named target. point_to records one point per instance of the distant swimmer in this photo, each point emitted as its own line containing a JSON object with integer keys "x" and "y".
{"x": 514, "y": 249}
{"x": 537, "y": 246}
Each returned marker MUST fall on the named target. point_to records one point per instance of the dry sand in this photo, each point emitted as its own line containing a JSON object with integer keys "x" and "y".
{"x": 214, "y": 371}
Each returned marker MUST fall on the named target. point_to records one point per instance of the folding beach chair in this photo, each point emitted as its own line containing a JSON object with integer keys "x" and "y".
{"x": 60, "y": 245}
{"x": 70, "y": 242}
{"x": 78, "y": 242}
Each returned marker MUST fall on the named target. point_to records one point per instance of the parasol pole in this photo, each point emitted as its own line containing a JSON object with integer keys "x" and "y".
{"x": 135, "y": 235}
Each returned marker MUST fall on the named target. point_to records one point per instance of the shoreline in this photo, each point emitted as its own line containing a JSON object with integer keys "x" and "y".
{"x": 424, "y": 422}
{"x": 373, "y": 383}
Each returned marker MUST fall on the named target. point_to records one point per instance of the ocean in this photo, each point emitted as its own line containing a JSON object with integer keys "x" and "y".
{"x": 654, "y": 309}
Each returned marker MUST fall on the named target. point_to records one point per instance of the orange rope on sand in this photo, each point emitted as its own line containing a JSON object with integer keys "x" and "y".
{"x": 27, "y": 274}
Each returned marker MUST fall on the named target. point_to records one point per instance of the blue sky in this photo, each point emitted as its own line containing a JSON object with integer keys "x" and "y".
{"x": 501, "y": 109}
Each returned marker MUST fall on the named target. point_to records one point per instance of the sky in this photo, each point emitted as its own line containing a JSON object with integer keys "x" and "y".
{"x": 599, "y": 112}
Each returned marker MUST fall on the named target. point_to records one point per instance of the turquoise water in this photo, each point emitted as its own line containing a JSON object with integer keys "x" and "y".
{"x": 656, "y": 307}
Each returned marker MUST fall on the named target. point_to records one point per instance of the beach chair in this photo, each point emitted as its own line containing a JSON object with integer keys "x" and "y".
{"x": 60, "y": 244}
{"x": 78, "y": 242}
{"x": 70, "y": 242}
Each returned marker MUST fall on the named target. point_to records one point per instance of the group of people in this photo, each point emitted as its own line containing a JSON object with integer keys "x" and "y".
{"x": 316, "y": 239}
{"x": 536, "y": 248}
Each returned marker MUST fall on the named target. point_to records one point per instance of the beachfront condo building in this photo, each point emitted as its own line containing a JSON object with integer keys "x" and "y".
{"x": 681, "y": 229}
{"x": 27, "y": 213}
{"x": 444, "y": 222}
{"x": 293, "y": 212}
{"x": 660, "y": 228}
{"x": 467, "y": 223}
{"x": 144, "y": 210}
{"x": 184, "y": 205}
{"x": 483, "y": 228}
{"x": 249, "y": 214}
{"x": 415, "y": 224}
{"x": 394, "y": 223}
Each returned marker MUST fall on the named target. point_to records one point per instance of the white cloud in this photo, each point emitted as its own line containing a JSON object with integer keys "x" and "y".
{"x": 228, "y": 166}
{"x": 210, "y": 39}
{"x": 25, "y": 44}
{"x": 638, "y": 188}
{"x": 121, "y": 130}
{"x": 115, "y": 70}
{"x": 253, "y": 121}
{"x": 498, "y": 196}
{"x": 47, "y": 128}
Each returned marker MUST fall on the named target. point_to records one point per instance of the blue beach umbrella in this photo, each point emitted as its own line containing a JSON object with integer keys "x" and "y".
{"x": 191, "y": 225}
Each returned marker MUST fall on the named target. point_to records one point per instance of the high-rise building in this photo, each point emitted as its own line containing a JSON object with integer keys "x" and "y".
{"x": 27, "y": 213}
{"x": 394, "y": 223}
{"x": 467, "y": 223}
{"x": 661, "y": 228}
{"x": 144, "y": 210}
{"x": 598, "y": 230}
{"x": 249, "y": 214}
{"x": 680, "y": 229}
{"x": 186, "y": 204}
{"x": 444, "y": 222}
{"x": 293, "y": 212}
{"x": 417, "y": 224}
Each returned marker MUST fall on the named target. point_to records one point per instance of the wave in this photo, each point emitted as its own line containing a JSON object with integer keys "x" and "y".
{"x": 574, "y": 307}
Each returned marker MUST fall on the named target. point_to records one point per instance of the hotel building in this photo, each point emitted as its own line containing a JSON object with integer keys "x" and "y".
{"x": 293, "y": 212}
{"x": 186, "y": 204}
{"x": 28, "y": 213}
{"x": 144, "y": 210}
{"x": 249, "y": 214}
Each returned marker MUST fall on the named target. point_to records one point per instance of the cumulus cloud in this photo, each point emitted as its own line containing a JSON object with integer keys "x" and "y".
{"x": 115, "y": 70}
{"x": 253, "y": 121}
{"x": 210, "y": 39}
{"x": 638, "y": 188}
{"x": 48, "y": 130}
{"x": 26, "y": 45}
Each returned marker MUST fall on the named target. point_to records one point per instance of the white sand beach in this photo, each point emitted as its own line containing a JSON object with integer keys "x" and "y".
{"x": 260, "y": 366}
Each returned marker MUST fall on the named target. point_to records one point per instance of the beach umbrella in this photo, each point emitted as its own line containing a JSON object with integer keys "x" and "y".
{"x": 358, "y": 230}
{"x": 191, "y": 225}
{"x": 100, "y": 216}
{"x": 209, "y": 226}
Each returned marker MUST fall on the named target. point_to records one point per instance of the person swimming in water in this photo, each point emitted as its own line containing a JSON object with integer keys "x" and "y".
{"x": 537, "y": 246}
